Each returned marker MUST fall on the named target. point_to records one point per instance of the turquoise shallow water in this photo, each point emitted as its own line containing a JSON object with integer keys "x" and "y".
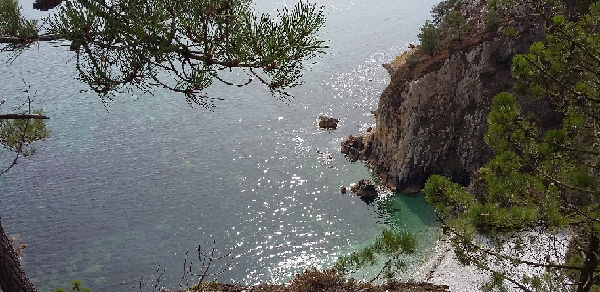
{"x": 118, "y": 192}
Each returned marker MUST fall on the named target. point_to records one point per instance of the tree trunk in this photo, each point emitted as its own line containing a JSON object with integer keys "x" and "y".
{"x": 12, "y": 276}
{"x": 590, "y": 263}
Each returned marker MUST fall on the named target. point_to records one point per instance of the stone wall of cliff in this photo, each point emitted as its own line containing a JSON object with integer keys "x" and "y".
{"x": 434, "y": 121}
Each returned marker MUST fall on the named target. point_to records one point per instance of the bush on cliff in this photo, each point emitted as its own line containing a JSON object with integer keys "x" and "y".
{"x": 491, "y": 20}
{"x": 455, "y": 25}
{"x": 412, "y": 60}
{"x": 438, "y": 11}
{"x": 429, "y": 38}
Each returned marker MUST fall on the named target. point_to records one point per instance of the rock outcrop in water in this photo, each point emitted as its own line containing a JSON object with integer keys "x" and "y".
{"x": 432, "y": 119}
{"x": 364, "y": 188}
{"x": 328, "y": 123}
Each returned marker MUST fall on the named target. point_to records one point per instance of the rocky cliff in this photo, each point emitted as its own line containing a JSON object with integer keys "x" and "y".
{"x": 431, "y": 119}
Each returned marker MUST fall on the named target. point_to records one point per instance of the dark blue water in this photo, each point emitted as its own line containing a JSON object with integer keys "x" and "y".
{"x": 118, "y": 191}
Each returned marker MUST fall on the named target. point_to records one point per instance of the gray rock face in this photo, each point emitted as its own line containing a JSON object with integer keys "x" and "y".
{"x": 435, "y": 124}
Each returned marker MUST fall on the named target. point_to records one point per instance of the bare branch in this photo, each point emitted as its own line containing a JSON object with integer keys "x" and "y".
{"x": 14, "y": 162}
{"x": 381, "y": 271}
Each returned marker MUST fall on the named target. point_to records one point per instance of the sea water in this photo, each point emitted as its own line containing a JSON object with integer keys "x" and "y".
{"x": 125, "y": 192}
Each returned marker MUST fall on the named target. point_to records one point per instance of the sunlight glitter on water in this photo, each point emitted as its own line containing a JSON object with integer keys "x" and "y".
{"x": 319, "y": 252}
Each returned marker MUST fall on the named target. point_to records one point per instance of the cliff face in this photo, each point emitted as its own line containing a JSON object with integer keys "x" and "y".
{"x": 435, "y": 123}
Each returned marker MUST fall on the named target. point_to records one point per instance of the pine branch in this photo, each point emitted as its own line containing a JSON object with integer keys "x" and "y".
{"x": 38, "y": 38}
{"x": 22, "y": 116}
{"x": 583, "y": 213}
{"x": 568, "y": 186}
{"x": 504, "y": 257}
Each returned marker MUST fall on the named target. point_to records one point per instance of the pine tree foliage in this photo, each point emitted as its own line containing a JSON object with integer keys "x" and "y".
{"x": 184, "y": 46}
{"x": 455, "y": 25}
{"x": 389, "y": 247}
{"x": 541, "y": 181}
{"x": 429, "y": 38}
{"x": 12, "y": 23}
{"x": 75, "y": 287}
{"x": 18, "y": 131}
{"x": 16, "y": 135}
{"x": 441, "y": 9}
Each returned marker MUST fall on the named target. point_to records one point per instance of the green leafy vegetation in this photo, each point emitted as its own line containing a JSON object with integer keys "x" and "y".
{"x": 412, "y": 60}
{"x": 441, "y": 9}
{"x": 472, "y": 107}
{"x": 510, "y": 31}
{"x": 75, "y": 287}
{"x": 492, "y": 20}
{"x": 544, "y": 176}
{"x": 13, "y": 23}
{"x": 455, "y": 25}
{"x": 429, "y": 38}
{"x": 16, "y": 135}
{"x": 184, "y": 46}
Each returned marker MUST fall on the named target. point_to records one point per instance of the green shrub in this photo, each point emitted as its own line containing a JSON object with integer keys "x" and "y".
{"x": 429, "y": 38}
{"x": 451, "y": 48}
{"x": 492, "y": 21}
{"x": 472, "y": 107}
{"x": 412, "y": 60}
{"x": 510, "y": 31}
{"x": 12, "y": 22}
{"x": 455, "y": 25}
{"x": 438, "y": 11}
{"x": 75, "y": 287}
